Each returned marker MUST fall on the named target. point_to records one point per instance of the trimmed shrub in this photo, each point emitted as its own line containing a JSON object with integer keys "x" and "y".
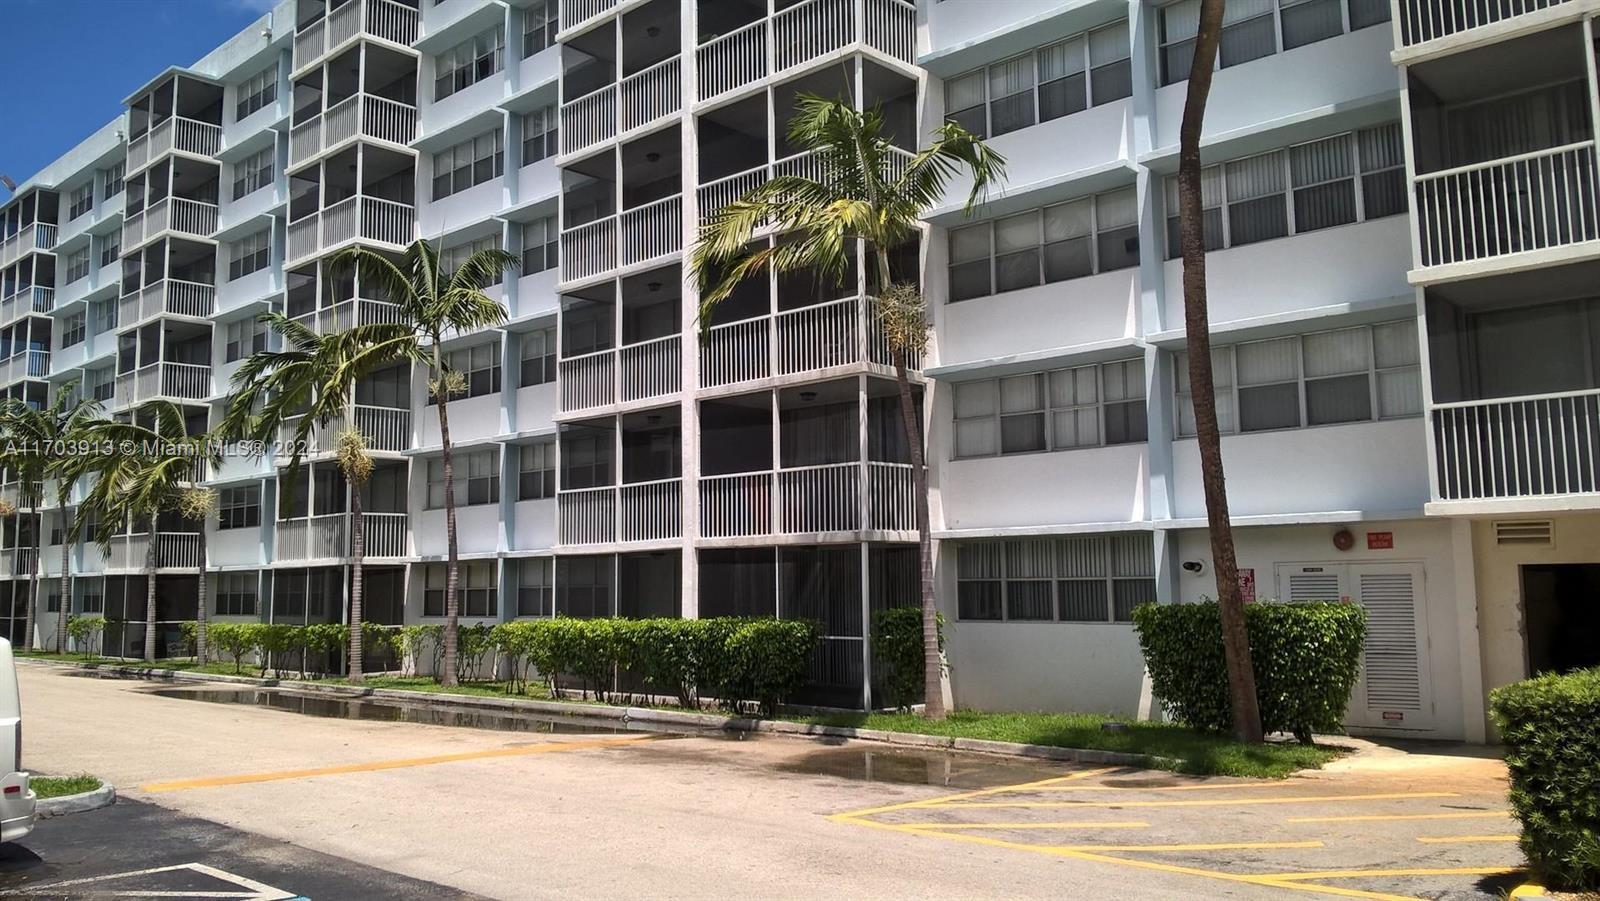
{"x": 236, "y": 640}
{"x": 769, "y": 658}
{"x": 1306, "y": 658}
{"x": 1551, "y": 728}
{"x": 897, "y": 647}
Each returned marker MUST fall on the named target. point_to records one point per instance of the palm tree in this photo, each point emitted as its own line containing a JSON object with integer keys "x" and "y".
{"x": 36, "y": 440}
{"x": 312, "y": 384}
{"x": 1191, "y": 240}
{"x": 157, "y": 468}
{"x": 439, "y": 304}
{"x": 868, "y": 192}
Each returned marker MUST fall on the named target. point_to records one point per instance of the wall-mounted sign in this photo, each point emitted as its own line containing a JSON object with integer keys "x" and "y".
{"x": 1380, "y": 541}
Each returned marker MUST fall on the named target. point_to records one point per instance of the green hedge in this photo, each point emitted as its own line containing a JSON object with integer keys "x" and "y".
{"x": 897, "y": 647}
{"x": 1306, "y": 658}
{"x": 1551, "y": 728}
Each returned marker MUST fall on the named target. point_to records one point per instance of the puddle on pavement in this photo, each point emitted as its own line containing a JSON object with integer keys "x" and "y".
{"x": 398, "y": 712}
{"x": 950, "y": 770}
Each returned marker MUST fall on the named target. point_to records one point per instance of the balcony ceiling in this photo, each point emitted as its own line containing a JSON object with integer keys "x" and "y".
{"x": 1541, "y": 58}
{"x": 1523, "y": 288}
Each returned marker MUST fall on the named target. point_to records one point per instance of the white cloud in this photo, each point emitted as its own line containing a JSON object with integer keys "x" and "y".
{"x": 255, "y": 6}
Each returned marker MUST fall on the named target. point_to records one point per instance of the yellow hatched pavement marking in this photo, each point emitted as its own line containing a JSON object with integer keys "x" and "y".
{"x": 934, "y": 802}
{"x": 1383, "y": 817}
{"x": 1078, "y": 824}
{"x": 1214, "y": 846}
{"x": 1401, "y": 871}
{"x": 1208, "y": 787}
{"x": 1220, "y": 802}
{"x": 1464, "y": 839}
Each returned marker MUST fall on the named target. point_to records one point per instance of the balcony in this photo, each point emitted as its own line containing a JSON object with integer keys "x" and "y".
{"x": 577, "y": 13}
{"x": 359, "y": 115}
{"x": 38, "y": 236}
{"x": 327, "y": 537}
{"x": 805, "y": 340}
{"x": 358, "y": 217}
{"x": 30, "y": 299}
{"x": 169, "y": 296}
{"x": 29, "y": 364}
{"x": 174, "y": 133}
{"x": 809, "y": 500}
{"x": 642, "y": 99}
{"x": 1422, "y": 21}
{"x": 641, "y": 235}
{"x": 174, "y": 550}
{"x": 643, "y": 371}
{"x": 385, "y": 428}
{"x": 181, "y": 215}
{"x": 164, "y": 379}
{"x": 638, "y": 511}
{"x": 1518, "y": 447}
{"x": 800, "y": 34}
{"x": 382, "y": 19}
{"x": 349, "y": 313}
{"x": 714, "y": 195}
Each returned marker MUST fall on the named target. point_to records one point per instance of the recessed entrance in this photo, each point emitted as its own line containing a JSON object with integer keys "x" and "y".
{"x": 1561, "y": 616}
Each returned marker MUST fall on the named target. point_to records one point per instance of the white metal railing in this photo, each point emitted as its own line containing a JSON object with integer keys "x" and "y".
{"x": 200, "y": 138}
{"x": 652, "y": 231}
{"x": 651, "y": 368}
{"x": 891, "y": 497}
{"x": 807, "y": 339}
{"x": 39, "y": 236}
{"x": 589, "y": 249}
{"x": 347, "y": 313}
{"x": 388, "y": 120}
{"x": 650, "y": 511}
{"x": 387, "y": 221}
{"x": 587, "y": 515}
{"x": 1518, "y": 446}
{"x": 802, "y": 33}
{"x": 194, "y": 217}
{"x": 736, "y": 505}
{"x": 808, "y": 30}
{"x": 731, "y": 61}
{"x": 1427, "y": 20}
{"x": 341, "y": 121}
{"x": 819, "y": 336}
{"x": 148, "y": 221}
{"x": 309, "y": 44}
{"x": 386, "y": 19}
{"x": 385, "y": 428}
{"x": 589, "y": 119}
{"x": 715, "y": 195}
{"x": 890, "y": 28}
{"x": 820, "y": 498}
{"x": 29, "y": 364}
{"x": 164, "y": 379}
{"x": 383, "y": 534}
{"x": 178, "y": 549}
{"x": 588, "y": 381}
{"x": 44, "y": 299}
{"x": 302, "y": 237}
{"x": 391, "y": 21}
{"x": 1529, "y": 202}
{"x": 344, "y": 23}
{"x": 305, "y": 140}
{"x": 651, "y": 94}
{"x": 577, "y": 12}
{"x": 340, "y": 222}
{"x": 175, "y": 296}
{"x": 736, "y": 352}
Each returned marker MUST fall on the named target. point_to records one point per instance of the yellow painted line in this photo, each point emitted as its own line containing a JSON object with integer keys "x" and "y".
{"x": 1464, "y": 839}
{"x": 1385, "y": 817}
{"x": 1080, "y": 824}
{"x": 1220, "y": 846}
{"x": 373, "y": 766}
{"x": 1224, "y": 802}
{"x": 1411, "y": 871}
{"x": 930, "y": 802}
{"x": 1208, "y": 787}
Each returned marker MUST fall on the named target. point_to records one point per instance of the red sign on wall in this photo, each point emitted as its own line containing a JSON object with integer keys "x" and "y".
{"x": 1380, "y": 541}
{"x": 1247, "y": 585}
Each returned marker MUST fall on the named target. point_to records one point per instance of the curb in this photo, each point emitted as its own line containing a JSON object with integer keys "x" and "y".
{"x": 104, "y": 796}
{"x": 652, "y": 715}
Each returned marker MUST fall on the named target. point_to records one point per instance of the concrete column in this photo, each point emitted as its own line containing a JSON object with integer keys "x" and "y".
{"x": 689, "y": 356}
{"x": 1474, "y": 723}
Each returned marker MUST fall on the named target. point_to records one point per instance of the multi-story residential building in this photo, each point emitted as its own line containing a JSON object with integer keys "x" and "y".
{"x": 1385, "y": 256}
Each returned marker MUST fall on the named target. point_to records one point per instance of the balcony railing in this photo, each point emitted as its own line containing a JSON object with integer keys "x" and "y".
{"x": 385, "y": 428}
{"x": 804, "y": 32}
{"x": 362, "y": 115}
{"x": 638, "y": 511}
{"x": 174, "y": 550}
{"x": 1532, "y": 446}
{"x": 808, "y": 339}
{"x": 652, "y": 94}
{"x": 1428, "y": 20}
{"x": 639, "y": 371}
{"x": 589, "y": 119}
{"x": 38, "y": 236}
{"x": 347, "y": 313}
{"x": 385, "y": 19}
{"x": 174, "y": 133}
{"x": 166, "y": 379}
{"x": 327, "y": 537}
{"x": 575, "y": 13}
{"x": 170, "y": 296}
{"x": 805, "y": 500}
{"x": 714, "y": 195}
{"x": 28, "y": 299}
{"x": 366, "y": 218}
{"x": 640, "y": 235}
{"x": 180, "y": 214}
{"x": 1534, "y": 201}
{"x": 589, "y": 249}
{"x": 29, "y": 364}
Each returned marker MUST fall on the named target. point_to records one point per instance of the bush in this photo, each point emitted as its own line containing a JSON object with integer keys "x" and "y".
{"x": 86, "y": 632}
{"x": 1306, "y": 658}
{"x": 235, "y": 639}
{"x": 1551, "y": 728}
{"x": 897, "y": 647}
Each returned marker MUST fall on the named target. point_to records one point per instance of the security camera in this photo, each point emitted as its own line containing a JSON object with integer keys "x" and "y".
{"x": 266, "y": 33}
{"x": 1194, "y": 566}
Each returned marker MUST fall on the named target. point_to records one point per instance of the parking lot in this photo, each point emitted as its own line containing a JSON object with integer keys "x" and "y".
{"x": 574, "y": 812}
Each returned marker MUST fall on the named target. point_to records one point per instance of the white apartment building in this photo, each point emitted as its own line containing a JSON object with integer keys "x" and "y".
{"x": 1398, "y": 287}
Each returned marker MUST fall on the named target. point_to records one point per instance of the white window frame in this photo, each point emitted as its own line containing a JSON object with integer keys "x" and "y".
{"x": 477, "y": 591}
{"x": 449, "y": 77}
{"x": 256, "y": 92}
{"x": 470, "y": 361}
{"x": 1094, "y": 236}
{"x": 541, "y": 245}
{"x": 536, "y": 577}
{"x": 251, "y": 253}
{"x": 468, "y": 157}
{"x": 234, "y": 506}
{"x": 478, "y": 467}
{"x": 244, "y": 337}
{"x": 541, "y": 133}
{"x": 80, "y": 201}
{"x": 1112, "y": 559}
{"x": 1164, "y": 40}
{"x": 253, "y": 173}
{"x": 1087, "y": 68}
{"x": 77, "y": 265}
{"x": 538, "y": 348}
{"x": 1052, "y": 405}
{"x": 540, "y": 22}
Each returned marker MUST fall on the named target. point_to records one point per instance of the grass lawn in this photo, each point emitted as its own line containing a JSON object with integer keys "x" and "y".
{"x": 536, "y": 688}
{"x": 214, "y": 668}
{"x": 57, "y": 786}
{"x": 1186, "y": 750}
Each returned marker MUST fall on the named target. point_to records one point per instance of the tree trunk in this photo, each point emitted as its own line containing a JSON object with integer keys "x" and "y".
{"x": 32, "y": 616}
{"x": 150, "y": 594}
{"x": 452, "y": 606}
{"x": 358, "y": 550}
{"x": 66, "y": 583}
{"x": 200, "y": 613}
{"x": 1235, "y": 639}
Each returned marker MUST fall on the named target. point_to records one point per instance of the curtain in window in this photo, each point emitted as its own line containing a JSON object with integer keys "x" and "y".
{"x": 1256, "y": 210}
{"x": 975, "y": 405}
{"x": 1398, "y": 360}
{"x": 978, "y": 569}
{"x": 1269, "y": 391}
{"x": 1016, "y": 251}
{"x": 1211, "y": 195}
{"x": 1022, "y": 414}
{"x": 1521, "y": 123}
{"x": 1061, "y": 79}
{"x": 1111, "y": 75}
{"x": 1325, "y": 189}
{"x": 963, "y": 101}
{"x": 969, "y": 262}
{"x": 1068, "y": 229}
{"x": 1308, "y": 21}
{"x": 1011, "y": 95}
{"x": 1336, "y": 376}
{"x": 1179, "y": 24}
{"x": 1248, "y": 32}
{"x": 1117, "y": 225}
{"x": 1028, "y": 575}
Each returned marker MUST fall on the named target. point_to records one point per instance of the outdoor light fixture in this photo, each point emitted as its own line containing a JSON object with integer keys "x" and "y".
{"x": 808, "y": 396}
{"x": 1194, "y": 566}
{"x": 652, "y": 157}
{"x": 653, "y": 287}
{"x": 653, "y": 31}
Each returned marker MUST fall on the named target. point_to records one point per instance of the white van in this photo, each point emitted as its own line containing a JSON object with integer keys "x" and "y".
{"x": 17, "y": 800}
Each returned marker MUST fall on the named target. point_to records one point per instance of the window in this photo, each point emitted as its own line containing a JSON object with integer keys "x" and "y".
{"x": 103, "y": 315}
{"x": 1345, "y": 375}
{"x": 258, "y": 91}
{"x": 77, "y": 265}
{"x": 239, "y": 507}
{"x": 252, "y": 173}
{"x": 52, "y": 598}
{"x": 113, "y": 180}
{"x": 1307, "y": 187}
{"x": 1053, "y": 81}
{"x": 541, "y": 242}
{"x": 534, "y": 588}
{"x": 541, "y": 21}
{"x": 249, "y": 254}
{"x": 540, "y": 136}
{"x": 1251, "y": 29}
{"x": 73, "y": 329}
{"x": 80, "y": 201}
{"x": 1067, "y": 240}
{"x": 1086, "y": 579}
{"x": 102, "y": 383}
{"x": 1086, "y": 406}
{"x": 477, "y": 470}
{"x": 468, "y": 63}
{"x": 110, "y": 249}
{"x": 94, "y": 596}
{"x": 480, "y": 365}
{"x": 236, "y": 594}
{"x": 536, "y": 471}
{"x": 538, "y": 357}
{"x": 476, "y": 593}
{"x": 468, "y": 164}
{"x": 244, "y": 337}
{"x": 453, "y": 258}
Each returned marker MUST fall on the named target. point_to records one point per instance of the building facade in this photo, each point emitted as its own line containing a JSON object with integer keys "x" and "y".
{"x": 1392, "y": 233}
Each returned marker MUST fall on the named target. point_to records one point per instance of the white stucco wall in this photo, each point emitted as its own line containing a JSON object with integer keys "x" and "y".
{"x": 1062, "y": 314}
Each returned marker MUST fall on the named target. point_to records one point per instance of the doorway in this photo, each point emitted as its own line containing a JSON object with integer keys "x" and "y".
{"x": 1561, "y": 616}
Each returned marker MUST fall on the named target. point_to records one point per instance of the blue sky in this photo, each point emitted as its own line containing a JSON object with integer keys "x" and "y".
{"x": 90, "y": 54}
